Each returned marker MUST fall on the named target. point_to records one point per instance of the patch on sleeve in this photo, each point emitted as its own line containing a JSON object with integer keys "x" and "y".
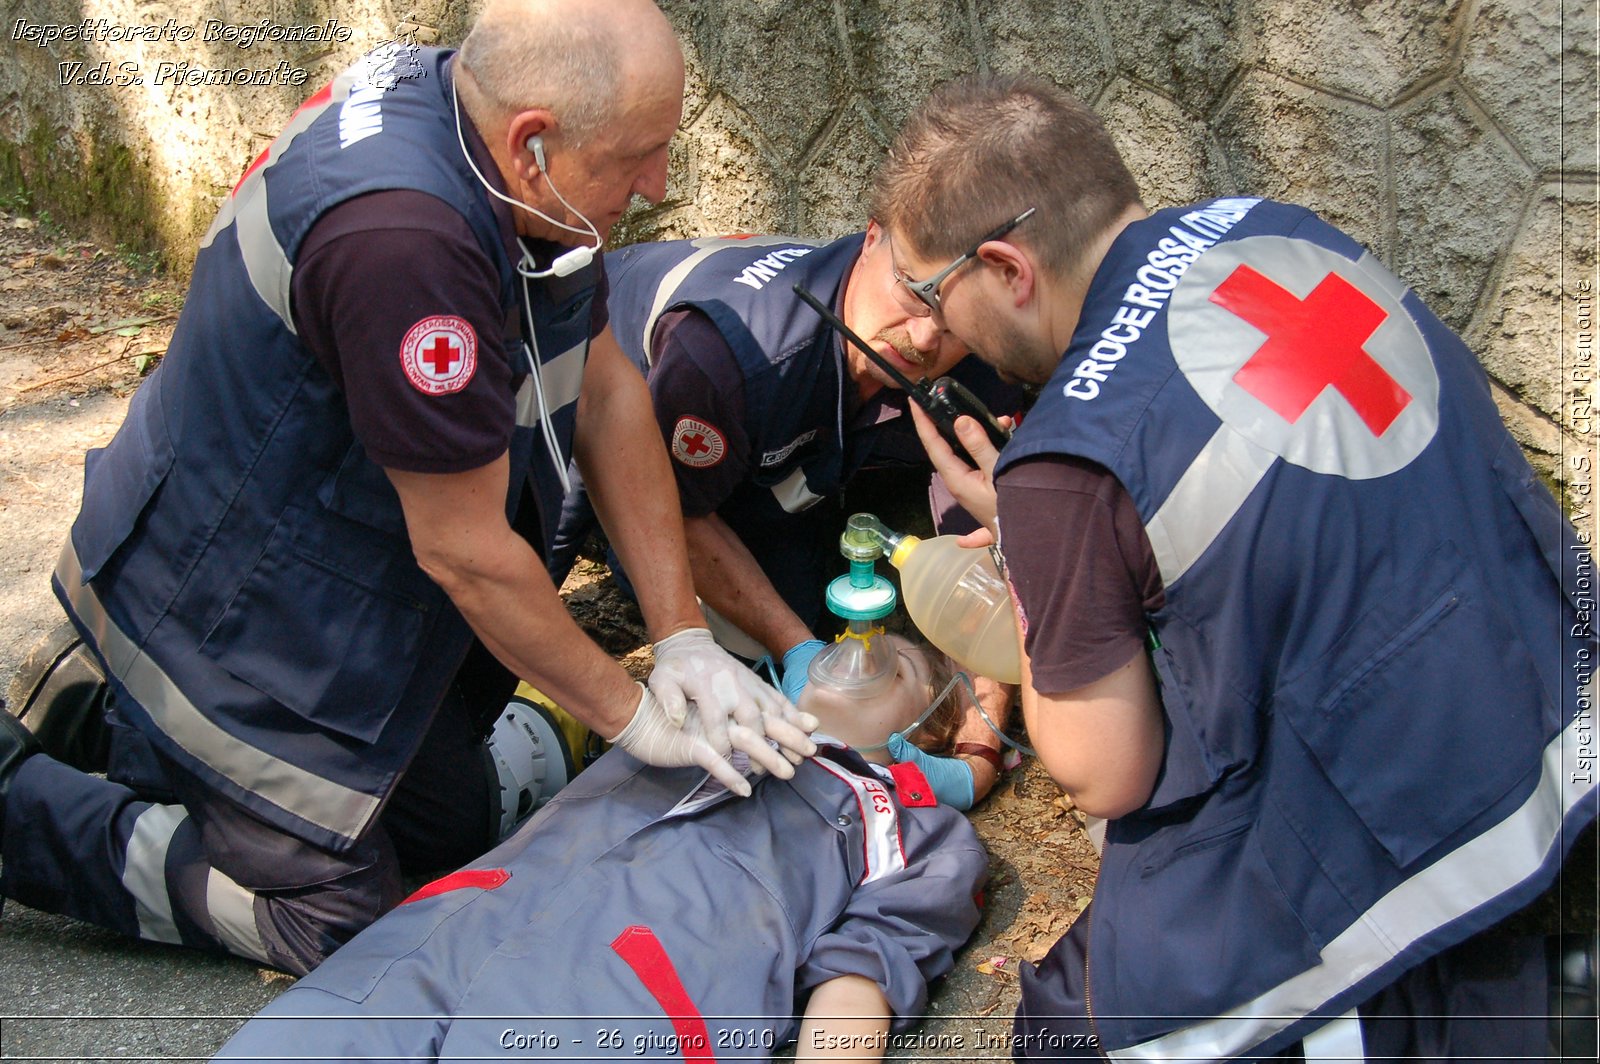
{"x": 697, "y": 444}
{"x": 440, "y": 354}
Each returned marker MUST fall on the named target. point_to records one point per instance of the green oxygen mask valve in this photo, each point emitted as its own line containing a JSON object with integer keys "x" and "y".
{"x": 861, "y": 663}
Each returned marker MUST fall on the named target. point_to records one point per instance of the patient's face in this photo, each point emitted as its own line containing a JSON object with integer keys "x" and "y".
{"x": 867, "y": 722}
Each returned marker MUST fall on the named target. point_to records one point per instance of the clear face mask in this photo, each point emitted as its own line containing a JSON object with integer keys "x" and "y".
{"x": 863, "y": 664}
{"x": 970, "y": 698}
{"x": 860, "y": 664}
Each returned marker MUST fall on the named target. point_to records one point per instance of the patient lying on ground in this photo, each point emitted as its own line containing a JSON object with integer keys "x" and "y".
{"x": 647, "y": 912}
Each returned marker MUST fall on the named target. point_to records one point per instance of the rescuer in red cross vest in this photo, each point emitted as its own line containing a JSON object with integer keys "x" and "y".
{"x": 395, "y": 335}
{"x": 769, "y": 417}
{"x": 1297, "y": 616}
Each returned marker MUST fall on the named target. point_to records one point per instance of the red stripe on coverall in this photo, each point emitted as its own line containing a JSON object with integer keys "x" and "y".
{"x": 642, "y": 951}
{"x": 482, "y": 878}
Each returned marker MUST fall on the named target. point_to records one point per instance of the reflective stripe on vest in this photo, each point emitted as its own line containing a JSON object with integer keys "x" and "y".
{"x": 321, "y": 801}
{"x": 1339, "y": 1040}
{"x": 562, "y": 377}
{"x": 1204, "y": 500}
{"x": 1472, "y": 875}
{"x": 673, "y": 278}
{"x": 265, "y": 261}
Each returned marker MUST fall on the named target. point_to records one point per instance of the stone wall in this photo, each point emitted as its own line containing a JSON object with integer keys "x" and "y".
{"x": 1457, "y": 138}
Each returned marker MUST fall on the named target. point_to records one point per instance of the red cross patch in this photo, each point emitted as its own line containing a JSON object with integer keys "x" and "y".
{"x": 697, "y": 444}
{"x": 439, "y": 354}
{"x": 1307, "y": 354}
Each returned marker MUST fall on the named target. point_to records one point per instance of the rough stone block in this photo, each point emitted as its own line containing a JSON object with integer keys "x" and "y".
{"x": 900, "y": 49}
{"x": 1171, "y": 153}
{"x": 740, "y": 188}
{"x": 1459, "y": 190}
{"x": 1532, "y": 63}
{"x": 1371, "y": 49}
{"x": 782, "y": 62}
{"x": 835, "y": 186}
{"x": 1188, "y": 50}
{"x": 1065, "y": 42}
{"x": 1527, "y": 337}
{"x": 1292, "y": 143}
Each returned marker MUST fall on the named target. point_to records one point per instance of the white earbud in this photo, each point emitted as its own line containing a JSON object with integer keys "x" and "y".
{"x": 588, "y": 228}
{"x": 535, "y": 145}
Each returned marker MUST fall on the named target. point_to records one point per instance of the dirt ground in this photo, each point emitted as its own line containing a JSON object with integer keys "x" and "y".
{"x": 79, "y": 326}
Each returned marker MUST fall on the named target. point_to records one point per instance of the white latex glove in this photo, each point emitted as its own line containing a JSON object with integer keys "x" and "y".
{"x": 652, "y": 737}
{"x": 737, "y": 710}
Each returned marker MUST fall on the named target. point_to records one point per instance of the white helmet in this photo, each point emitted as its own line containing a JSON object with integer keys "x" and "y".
{"x": 531, "y": 759}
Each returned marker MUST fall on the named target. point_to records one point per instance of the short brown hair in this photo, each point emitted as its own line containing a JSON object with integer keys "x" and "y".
{"x": 984, "y": 148}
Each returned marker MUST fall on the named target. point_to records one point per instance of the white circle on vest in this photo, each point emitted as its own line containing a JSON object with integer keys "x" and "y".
{"x": 1307, "y": 354}
{"x": 439, "y": 354}
{"x": 696, "y": 443}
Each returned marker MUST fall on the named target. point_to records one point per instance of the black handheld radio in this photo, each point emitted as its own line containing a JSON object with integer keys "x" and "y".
{"x": 943, "y": 400}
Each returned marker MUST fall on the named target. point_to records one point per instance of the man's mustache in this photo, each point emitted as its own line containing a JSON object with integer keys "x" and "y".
{"x": 897, "y": 339}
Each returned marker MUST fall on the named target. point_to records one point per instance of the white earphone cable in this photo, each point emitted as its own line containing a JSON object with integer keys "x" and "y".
{"x": 588, "y": 229}
{"x": 567, "y": 263}
{"x": 546, "y": 426}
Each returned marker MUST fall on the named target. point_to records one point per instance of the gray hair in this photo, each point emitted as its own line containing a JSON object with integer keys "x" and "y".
{"x": 572, "y": 67}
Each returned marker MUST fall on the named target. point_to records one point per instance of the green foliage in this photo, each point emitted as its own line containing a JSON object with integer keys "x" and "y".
{"x": 144, "y": 261}
{"x": 87, "y": 183}
{"x": 15, "y": 199}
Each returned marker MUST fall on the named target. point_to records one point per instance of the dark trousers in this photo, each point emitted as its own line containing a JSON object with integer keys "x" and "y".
{"x": 153, "y": 851}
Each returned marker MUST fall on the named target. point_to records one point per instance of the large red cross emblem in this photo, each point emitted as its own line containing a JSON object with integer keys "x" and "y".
{"x": 694, "y": 444}
{"x": 1312, "y": 344}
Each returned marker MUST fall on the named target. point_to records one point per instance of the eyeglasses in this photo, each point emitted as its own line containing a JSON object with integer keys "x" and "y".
{"x": 927, "y": 292}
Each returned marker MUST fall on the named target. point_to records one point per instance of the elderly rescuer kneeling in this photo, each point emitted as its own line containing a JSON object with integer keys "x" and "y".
{"x": 394, "y": 341}
{"x": 1299, "y": 618}
{"x": 642, "y": 912}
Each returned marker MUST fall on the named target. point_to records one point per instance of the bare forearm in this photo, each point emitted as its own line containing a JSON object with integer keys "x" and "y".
{"x": 729, "y": 579}
{"x": 521, "y": 619}
{"x": 847, "y": 1018}
{"x": 629, "y": 479}
{"x": 996, "y": 698}
{"x": 462, "y": 540}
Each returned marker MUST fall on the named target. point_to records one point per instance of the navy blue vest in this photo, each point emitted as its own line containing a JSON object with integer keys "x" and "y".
{"x": 1371, "y": 656}
{"x": 239, "y": 562}
{"x": 793, "y": 372}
